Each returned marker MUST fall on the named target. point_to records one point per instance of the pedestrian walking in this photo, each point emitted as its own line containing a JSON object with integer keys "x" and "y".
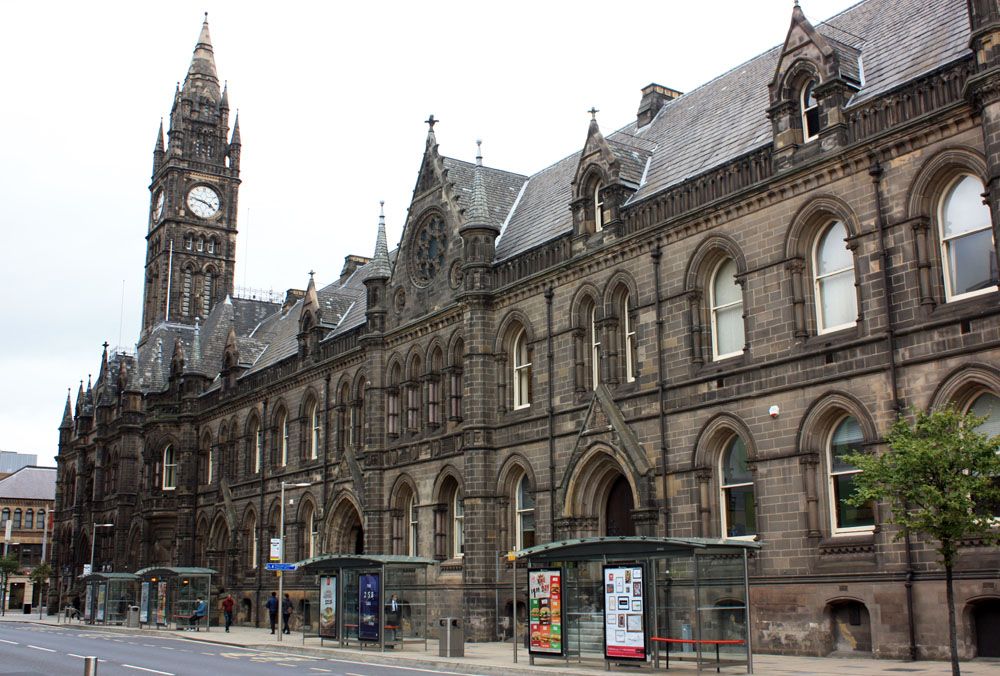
{"x": 286, "y": 613}
{"x": 227, "y": 610}
{"x": 272, "y": 609}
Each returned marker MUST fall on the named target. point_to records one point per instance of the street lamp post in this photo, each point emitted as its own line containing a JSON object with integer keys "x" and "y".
{"x": 93, "y": 540}
{"x": 281, "y": 538}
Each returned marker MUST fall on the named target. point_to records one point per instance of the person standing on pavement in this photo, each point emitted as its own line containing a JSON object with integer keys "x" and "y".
{"x": 227, "y": 610}
{"x": 272, "y": 609}
{"x": 286, "y": 614}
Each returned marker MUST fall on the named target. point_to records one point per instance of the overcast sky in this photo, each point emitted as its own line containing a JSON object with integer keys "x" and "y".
{"x": 332, "y": 98}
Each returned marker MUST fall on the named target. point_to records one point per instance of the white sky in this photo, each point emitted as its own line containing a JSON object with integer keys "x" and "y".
{"x": 332, "y": 98}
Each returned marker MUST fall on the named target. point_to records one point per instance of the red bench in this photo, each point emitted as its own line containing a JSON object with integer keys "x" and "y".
{"x": 708, "y": 641}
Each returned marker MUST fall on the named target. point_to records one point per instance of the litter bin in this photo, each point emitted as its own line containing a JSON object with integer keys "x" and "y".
{"x": 27, "y": 608}
{"x": 451, "y": 637}
{"x": 132, "y": 619}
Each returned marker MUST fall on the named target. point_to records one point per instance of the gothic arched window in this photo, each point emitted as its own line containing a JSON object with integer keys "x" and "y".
{"x": 524, "y": 515}
{"x": 283, "y": 438}
{"x": 846, "y": 438}
{"x": 187, "y": 278}
{"x": 738, "y": 504}
{"x": 392, "y": 402}
{"x": 521, "y": 359}
{"x": 970, "y": 264}
{"x": 169, "y": 468}
{"x": 833, "y": 278}
{"x": 726, "y": 302}
{"x": 810, "y": 112}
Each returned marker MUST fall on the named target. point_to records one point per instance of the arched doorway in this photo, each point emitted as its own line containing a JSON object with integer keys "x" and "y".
{"x": 850, "y": 627}
{"x": 618, "y": 509}
{"x": 218, "y": 549}
{"x": 345, "y": 531}
{"x": 986, "y": 627}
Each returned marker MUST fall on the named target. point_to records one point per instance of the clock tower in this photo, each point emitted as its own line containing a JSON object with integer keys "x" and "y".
{"x": 191, "y": 239}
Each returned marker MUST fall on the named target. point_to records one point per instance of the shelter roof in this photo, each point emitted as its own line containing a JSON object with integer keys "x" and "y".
{"x": 630, "y": 546}
{"x": 330, "y": 561}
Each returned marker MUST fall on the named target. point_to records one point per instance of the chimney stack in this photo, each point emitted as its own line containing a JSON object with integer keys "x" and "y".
{"x": 653, "y": 98}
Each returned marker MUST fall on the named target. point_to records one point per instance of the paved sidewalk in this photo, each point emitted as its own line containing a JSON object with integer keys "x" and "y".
{"x": 496, "y": 659}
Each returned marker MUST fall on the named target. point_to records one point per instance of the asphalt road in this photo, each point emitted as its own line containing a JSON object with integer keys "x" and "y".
{"x": 33, "y": 650}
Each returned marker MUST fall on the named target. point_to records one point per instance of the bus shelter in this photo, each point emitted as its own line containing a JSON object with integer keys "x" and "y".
{"x": 108, "y": 597}
{"x": 368, "y": 599}
{"x": 170, "y": 595}
{"x": 636, "y": 599}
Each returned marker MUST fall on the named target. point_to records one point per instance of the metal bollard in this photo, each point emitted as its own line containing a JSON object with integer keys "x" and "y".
{"x": 89, "y": 666}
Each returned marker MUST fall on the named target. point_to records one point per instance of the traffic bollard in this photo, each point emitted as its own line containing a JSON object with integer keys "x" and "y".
{"x": 89, "y": 666}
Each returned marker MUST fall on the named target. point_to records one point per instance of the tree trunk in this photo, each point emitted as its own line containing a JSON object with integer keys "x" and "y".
{"x": 952, "y": 630}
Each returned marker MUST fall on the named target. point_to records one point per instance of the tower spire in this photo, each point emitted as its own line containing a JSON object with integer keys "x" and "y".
{"x": 67, "y": 419}
{"x": 202, "y": 74}
{"x": 478, "y": 212}
{"x": 379, "y": 267}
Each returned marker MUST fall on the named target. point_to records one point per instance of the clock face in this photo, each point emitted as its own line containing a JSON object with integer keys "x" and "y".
{"x": 158, "y": 206}
{"x": 203, "y": 201}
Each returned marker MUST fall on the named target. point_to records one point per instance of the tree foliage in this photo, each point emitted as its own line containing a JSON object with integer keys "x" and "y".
{"x": 941, "y": 478}
{"x": 8, "y": 565}
{"x": 41, "y": 574}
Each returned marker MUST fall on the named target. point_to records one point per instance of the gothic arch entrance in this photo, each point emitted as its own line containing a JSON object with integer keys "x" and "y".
{"x": 986, "y": 621}
{"x": 601, "y": 497}
{"x": 218, "y": 549}
{"x": 345, "y": 531}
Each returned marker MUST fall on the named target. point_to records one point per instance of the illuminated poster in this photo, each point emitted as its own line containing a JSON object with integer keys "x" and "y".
{"x": 144, "y": 604}
{"x": 369, "y": 605}
{"x": 624, "y": 630}
{"x": 545, "y": 611}
{"x": 328, "y": 606}
{"x": 161, "y": 602}
{"x": 102, "y": 593}
{"x": 88, "y": 603}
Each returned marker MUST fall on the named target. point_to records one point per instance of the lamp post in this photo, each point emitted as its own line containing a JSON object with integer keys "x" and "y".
{"x": 93, "y": 540}
{"x": 281, "y": 538}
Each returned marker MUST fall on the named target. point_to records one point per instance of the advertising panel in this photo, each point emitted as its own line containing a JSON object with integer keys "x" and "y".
{"x": 144, "y": 603}
{"x": 275, "y": 554}
{"x": 328, "y": 606}
{"x": 624, "y": 613}
{"x": 161, "y": 602}
{"x": 88, "y": 603}
{"x": 545, "y": 611}
{"x": 369, "y": 605}
{"x": 102, "y": 595}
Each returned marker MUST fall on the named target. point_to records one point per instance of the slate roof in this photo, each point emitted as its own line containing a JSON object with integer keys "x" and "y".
{"x": 29, "y": 483}
{"x": 899, "y": 40}
{"x": 501, "y": 187}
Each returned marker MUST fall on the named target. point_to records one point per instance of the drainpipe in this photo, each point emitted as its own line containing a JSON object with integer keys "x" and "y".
{"x": 260, "y": 514}
{"x": 326, "y": 439}
{"x": 876, "y": 172}
{"x": 661, "y": 383}
{"x": 549, "y": 293}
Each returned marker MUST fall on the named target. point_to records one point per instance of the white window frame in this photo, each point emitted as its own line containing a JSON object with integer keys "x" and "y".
{"x": 413, "y": 525}
{"x": 283, "y": 438}
{"x": 254, "y": 545}
{"x": 209, "y": 474}
{"x": 724, "y": 487}
{"x": 206, "y": 290}
{"x": 818, "y": 279}
{"x": 830, "y": 484}
{"x": 629, "y": 333}
{"x": 310, "y": 539}
{"x": 169, "y": 478}
{"x": 520, "y": 512}
{"x": 595, "y": 350}
{"x": 598, "y": 209}
{"x": 457, "y": 525}
{"x": 187, "y": 282}
{"x": 804, "y": 111}
{"x": 967, "y": 409}
{"x": 715, "y": 309}
{"x": 258, "y": 448}
{"x": 950, "y": 294}
{"x": 314, "y": 431}
{"x": 522, "y": 371}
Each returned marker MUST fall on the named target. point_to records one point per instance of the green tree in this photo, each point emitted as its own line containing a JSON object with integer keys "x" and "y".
{"x": 8, "y": 566}
{"x": 941, "y": 479}
{"x": 40, "y": 578}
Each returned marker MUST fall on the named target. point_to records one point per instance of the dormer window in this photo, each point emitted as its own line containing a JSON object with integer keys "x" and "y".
{"x": 188, "y": 242}
{"x": 598, "y": 208}
{"x": 810, "y": 113}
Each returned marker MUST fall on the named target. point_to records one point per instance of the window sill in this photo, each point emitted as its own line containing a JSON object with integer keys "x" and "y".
{"x": 958, "y": 307}
{"x": 848, "y": 543}
{"x": 453, "y": 565}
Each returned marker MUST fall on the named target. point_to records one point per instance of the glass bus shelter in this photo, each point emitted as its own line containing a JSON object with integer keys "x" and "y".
{"x": 367, "y": 600}
{"x": 638, "y": 600}
{"x": 170, "y": 595}
{"x": 108, "y": 597}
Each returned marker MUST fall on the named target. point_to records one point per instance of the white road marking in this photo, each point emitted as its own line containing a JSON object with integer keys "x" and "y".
{"x": 75, "y": 655}
{"x": 210, "y": 654}
{"x": 38, "y": 647}
{"x": 166, "y": 647}
{"x": 326, "y": 671}
{"x": 10, "y": 642}
{"x": 152, "y": 671}
{"x": 400, "y": 668}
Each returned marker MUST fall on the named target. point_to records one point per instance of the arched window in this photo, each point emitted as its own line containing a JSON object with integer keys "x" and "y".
{"x": 29, "y": 519}
{"x": 283, "y": 439}
{"x": 458, "y": 525}
{"x": 206, "y": 299}
{"x": 738, "y": 505}
{"x": 413, "y": 396}
{"x": 833, "y": 268}
{"x": 358, "y": 412}
{"x": 5, "y": 515}
{"x": 810, "y": 112}
{"x": 186, "y": 284}
{"x": 201, "y": 244}
{"x": 594, "y": 338}
{"x": 256, "y": 441}
{"x": 314, "y": 430}
{"x": 253, "y": 543}
{"x": 987, "y": 405}
{"x": 392, "y": 402}
{"x": 169, "y": 468}
{"x": 628, "y": 336}
{"x": 449, "y": 521}
{"x": 413, "y": 525}
{"x": 211, "y": 246}
{"x": 524, "y": 515}
{"x": 456, "y": 381}
{"x": 342, "y": 402}
{"x": 598, "y": 208}
{"x": 970, "y": 264}
{"x": 207, "y": 459}
{"x": 40, "y": 521}
{"x": 726, "y": 302}
{"x": 309, "y": 532}
{"x": 846, "y": 438}
{"x": 17, "y": 518}
{"x": 188, "y": 242}
{"x": 434, "y": 388}
{"x": 521, "y": 358}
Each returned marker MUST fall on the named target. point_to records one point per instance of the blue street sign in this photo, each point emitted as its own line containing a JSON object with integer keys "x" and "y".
{"x": 280, "y": 566}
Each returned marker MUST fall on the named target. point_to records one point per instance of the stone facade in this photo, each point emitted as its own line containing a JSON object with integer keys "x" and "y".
{"x": 559, "y": 355}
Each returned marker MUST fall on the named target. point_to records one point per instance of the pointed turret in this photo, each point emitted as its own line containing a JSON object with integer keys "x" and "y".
{"x": 236, "y": 131}
{"x": 377, "y": 276}
{"x": 79, "y": 400}
{"x": 235, "y": 144}
{"x": 478, "y": 213}
{"x": 103, "y": 372}
{"x": 158, "y": 149}
{"x": 379, "y": 267}
{"x": 67, "y": 418}
{"x": 202, "y": 76}
{"x": 478, "y": 234}
{"x": 224, "y": 104}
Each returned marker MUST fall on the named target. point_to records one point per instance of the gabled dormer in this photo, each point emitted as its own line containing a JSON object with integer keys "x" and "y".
{"x": 231, "y": 367}
{"x": 309, "y": 321}
{"x": 815, "y": 77}
{"x": 602, "y": 184}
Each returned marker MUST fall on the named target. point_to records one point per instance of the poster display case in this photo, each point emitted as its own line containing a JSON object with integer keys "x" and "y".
{"x": 369, "y": 607}
{"x": 545, "y": 611}
{"x": 328, "y": 606}
{"x": 624, "y": 613}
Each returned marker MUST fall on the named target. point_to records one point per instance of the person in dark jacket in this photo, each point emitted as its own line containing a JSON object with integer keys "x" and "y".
{"x": 286, "y": 613}
{"x": 227, "y": 610}
{"x": 272, "y": 609}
